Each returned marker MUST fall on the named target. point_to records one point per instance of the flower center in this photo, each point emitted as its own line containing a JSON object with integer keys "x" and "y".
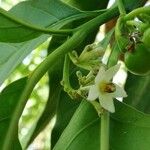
{"x": 107, "y": 87}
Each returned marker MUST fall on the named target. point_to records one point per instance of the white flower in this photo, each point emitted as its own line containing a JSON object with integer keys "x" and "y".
{"x": 104, "y": 89}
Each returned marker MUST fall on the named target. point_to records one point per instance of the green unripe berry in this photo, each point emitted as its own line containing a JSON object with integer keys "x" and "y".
{"x": 137, "y": 60}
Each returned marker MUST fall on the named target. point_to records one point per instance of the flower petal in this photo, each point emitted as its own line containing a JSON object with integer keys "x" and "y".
{"x": 100, "y": 75}
{"x": 93, "y": 93}
{"x": 109, "y": 74}
{"x": 120, "y": 92}
{"x": 107, "y": 103}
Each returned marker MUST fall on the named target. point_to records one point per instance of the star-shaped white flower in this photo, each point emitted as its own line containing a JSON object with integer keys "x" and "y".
{"x": 104, "y": 89}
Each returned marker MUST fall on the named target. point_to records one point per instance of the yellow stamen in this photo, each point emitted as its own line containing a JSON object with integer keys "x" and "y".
{"x": 107, "y": 87}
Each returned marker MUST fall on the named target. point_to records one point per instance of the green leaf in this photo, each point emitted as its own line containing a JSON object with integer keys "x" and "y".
{"x": 65, "y": 110}
{"x": 8, "y": 100}
{"x": 80, "y": 130}
{"x": 137, "y": 88}
{"x": 87, "y": 5}
{"x": 13, "y": 54}
{"x": 129, "y": 129}
{"x": 17, "y": 24}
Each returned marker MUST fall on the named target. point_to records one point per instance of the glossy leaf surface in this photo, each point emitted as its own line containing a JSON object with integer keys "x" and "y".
{"x": 129, "y": 129}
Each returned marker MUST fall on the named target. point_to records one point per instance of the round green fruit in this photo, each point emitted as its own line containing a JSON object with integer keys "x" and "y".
{"x": 137, "y": 61}
{"x": 146, "y": 38}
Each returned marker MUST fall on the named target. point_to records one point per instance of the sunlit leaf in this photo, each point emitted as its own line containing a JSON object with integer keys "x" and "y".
{"x": 11, "y": 55}
{"x": 18, "y": 24}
